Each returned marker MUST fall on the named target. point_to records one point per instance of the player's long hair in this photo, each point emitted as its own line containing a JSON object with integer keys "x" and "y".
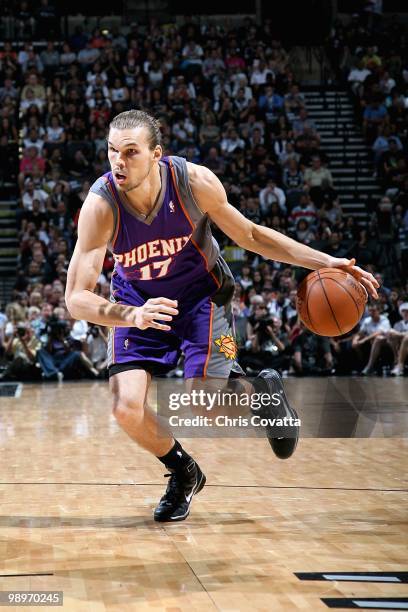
{"x": 137, "y": 118}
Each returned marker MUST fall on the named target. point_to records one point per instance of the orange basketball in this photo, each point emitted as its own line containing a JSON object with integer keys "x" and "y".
{"x": 330, "y": 301}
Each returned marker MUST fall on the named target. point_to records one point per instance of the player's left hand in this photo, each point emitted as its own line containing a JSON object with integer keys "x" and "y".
{"x": 365, "y": 278}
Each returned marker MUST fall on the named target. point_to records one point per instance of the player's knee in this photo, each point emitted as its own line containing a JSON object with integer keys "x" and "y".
{"x": 127, "y": 409}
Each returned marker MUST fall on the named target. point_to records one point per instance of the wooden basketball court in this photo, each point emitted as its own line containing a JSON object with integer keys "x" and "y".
{"x": 77, "y": 498}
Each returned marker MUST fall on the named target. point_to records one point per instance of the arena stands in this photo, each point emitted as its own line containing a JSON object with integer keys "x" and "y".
{"x": 227, "y": 98}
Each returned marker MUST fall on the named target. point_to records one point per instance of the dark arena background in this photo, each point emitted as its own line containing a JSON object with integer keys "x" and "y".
{"x": 301, "y": 110}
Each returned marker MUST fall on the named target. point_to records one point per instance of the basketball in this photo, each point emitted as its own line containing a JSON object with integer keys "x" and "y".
{"x": 330, "y": 301}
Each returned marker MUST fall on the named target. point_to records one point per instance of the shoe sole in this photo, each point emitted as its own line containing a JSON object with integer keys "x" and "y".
{"x": 272, "y": 375}
{"x": 198, "y": 486}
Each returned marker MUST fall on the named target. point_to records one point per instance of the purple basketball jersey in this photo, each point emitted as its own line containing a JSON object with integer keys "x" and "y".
{"x": 169, "y": 253}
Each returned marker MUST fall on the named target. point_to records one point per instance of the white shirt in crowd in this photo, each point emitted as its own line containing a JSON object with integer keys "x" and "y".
{"x": 259, "y": 77}
{"x": 54, "y": 133}
{"x": 401, "y": 326}
{"x": 268, "y": 196}
{"x": 368, "y": 326}
{"x": 358, "y": 75}
{"x": 37, "y": 194}
{"x": 79, "y": 330}
{"x": 228, "y": 145}
{"x": 91, "y": 77}
{"x": 27, "y": 142}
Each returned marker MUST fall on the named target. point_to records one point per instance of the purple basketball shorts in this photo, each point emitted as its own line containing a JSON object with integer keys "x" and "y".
{"x": 202, "y": 331}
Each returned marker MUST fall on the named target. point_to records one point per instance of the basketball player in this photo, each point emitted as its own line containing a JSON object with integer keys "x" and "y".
{"x": 170, "y": 291}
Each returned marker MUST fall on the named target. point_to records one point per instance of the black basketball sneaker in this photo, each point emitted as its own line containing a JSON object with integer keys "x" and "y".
{"x": 269, "y": 381}
{"x": 183, "y": 484}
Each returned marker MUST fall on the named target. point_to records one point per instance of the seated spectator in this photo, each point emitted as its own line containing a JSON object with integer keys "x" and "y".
{"x": 35, "y": 215}
{"x": 97, "y": 91}
{"x": 30, "y": 194}
{"x": 55, "y": 132}
{"x": 209, "y": 133}
{"x": 318, "y": 178}
{"x": 288, "y": 154}
{"x": 266, "y": 344}
{"x": 387, "y": 83}
{"x": 241, "y": 85}
{"x": 30, "y": 162}
{"x": 305, "y": 210}
{"x": 16, "y": 310}
{"x": 78, "y": 165}
{"x": 192, "y": 54}
{"x": 8, "y": 129}
{"x": 8, "y": 90}
{"x": 88, "y": 56}
{"x": 33, "y": 140}
{"x": 22, "y": 348}
{"x": 62, "y": 220}
{"x": 388, "y": 163}
{"x": 311, "y": 353}
{"x": 304, "y": 233}
{"x": 293, "y": 181}
{"x": 119, "y": 92}
{"x": 294, "y": 101}
{"x": 381, "y": 144}
{"x": 67, "y": 57}
{"x": 303, "y": 124}
{"x": 371, "y": 60}
{"x": 213, "y": 63}
{"x": 245, "y": 278}
{"x": 398, "y": 339}
{"x": 270, "y": 103}
{"x": 34, "y": 86}
{"x": 98, "y": 39}
{"x": 30, "y": 100}
{"x": 357, "y": 76}
{"x": 50, "y": 58}
{"x": 374, "y": 116}
{"x": 96, "y": 75}
{"x": 260, "y": 74}
{"x": 214, "y": 161}
{"x": 270, "y": 194}
{"x": 372, "y": 334}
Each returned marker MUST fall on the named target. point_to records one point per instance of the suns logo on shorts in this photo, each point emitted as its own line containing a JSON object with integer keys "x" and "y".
{"x": 227, "y": 346}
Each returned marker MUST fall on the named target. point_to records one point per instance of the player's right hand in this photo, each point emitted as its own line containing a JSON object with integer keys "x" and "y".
{"x": 154, "y": 310}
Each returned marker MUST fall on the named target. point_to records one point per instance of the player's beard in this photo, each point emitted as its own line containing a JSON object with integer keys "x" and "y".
{"x": 136, "y": 185}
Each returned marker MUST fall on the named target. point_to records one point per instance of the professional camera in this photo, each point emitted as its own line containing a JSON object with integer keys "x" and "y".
{"x": 21, "y": 331}
{"x": 263, "y": 323}
{"x": 57, "y": 328}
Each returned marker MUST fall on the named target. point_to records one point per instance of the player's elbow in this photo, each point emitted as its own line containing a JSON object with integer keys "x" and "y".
{"x": 71, "y": 304}
{"x": 246, "y": 240}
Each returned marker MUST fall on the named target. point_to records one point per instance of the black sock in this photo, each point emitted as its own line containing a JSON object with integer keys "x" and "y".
{"x": 176, "y": 458}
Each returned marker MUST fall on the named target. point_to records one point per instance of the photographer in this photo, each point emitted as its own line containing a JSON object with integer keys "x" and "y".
{"x": 22, "y": 347}
{"x": 311, "y": 353}
{"x": 58, "y": 360}
{"x": 266, "y": 344}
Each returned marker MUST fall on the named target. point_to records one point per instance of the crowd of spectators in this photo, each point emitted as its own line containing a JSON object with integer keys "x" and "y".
{"x": 369, "y": 54}
{"x": 226, "y": 98}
